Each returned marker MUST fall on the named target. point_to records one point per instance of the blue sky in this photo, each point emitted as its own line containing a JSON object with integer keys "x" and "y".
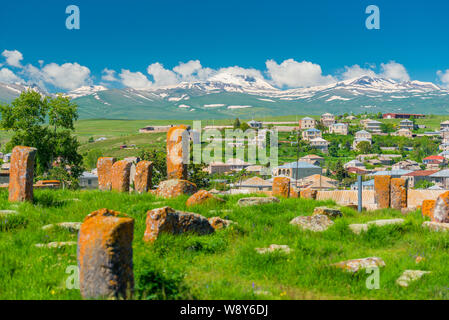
{"x": 131, "y": 35}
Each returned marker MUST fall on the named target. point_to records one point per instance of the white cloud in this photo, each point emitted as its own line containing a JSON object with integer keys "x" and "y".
{"x": 109, "y": 75}
{"x": 13, "y": 58}
{"x": 162, "y": 76}
{"x": 293, "y": 74}
{"x": 135, "y": 80}
{"x": 395, "y": 71}
{"x": 8, "y": 76}
{"x": 68, "y": 76}
{"x": 356, "y": 72}
{"x": 444, "y": 77}
{"x": 186, "y": 70}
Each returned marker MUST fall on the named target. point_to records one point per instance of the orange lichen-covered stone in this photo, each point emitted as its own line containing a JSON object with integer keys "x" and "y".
{"x": 427, "y": 208}
{"x": 142, "y": 179}
{"x": 441, "y": 210}
{"x": 21, "y": 174}
{"x": 120, "y": 176}
{"x": 382, "y": 191}
{"x": 201, "y": 197}
{"x": 178, "y": 141}
{"x": 175, "y": 222}
{"x": 294, "y": 193}
{"x": 218, "y": 223}
{"x": 104, "y": 172}
{"x": 105, "y": 255}
{"x": 398, "y": 195}
{"x": 281, "y": 187}
{"x": 309, "y": 194}
{"x": 174, "y": 188}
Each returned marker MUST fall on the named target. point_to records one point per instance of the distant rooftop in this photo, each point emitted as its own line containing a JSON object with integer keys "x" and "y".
{"x": 299, "y": 165}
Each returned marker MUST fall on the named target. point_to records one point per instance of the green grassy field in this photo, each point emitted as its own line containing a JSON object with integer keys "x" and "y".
{"x": 224, "y": 265}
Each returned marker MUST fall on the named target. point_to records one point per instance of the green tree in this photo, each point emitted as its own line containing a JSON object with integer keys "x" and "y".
{"x": 47, "y": 124}
{"x": 159, "y": 159}
{"x": 91, "y": 158}
{"x": 364, "y": 147}
{"x": 236, "y": 123}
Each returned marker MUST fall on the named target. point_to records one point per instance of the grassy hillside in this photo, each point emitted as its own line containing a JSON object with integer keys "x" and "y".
{"x": 224, "y": 265}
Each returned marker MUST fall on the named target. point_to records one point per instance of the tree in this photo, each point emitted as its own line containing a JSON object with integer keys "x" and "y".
{"x": 236, "y": 123}
{"x": 244, "y": 126}
{"x": 45, "y": 123}
{"x": 387, "y": 127}
{"x": 364, "y": 147}
{"x": 159, "y": 159}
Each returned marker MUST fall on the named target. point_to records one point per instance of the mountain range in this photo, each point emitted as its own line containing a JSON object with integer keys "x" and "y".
{"x": 227, "y": 95}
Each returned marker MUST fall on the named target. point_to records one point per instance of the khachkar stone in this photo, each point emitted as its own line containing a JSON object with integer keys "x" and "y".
{"x": 441, "y": 210}
{"x": 21, "y": 174}
{"x": 281, "y": 187}
{"x": 382, "y": 191}
{"x": 427, "y": 208}
{"x": 142, "y": 179}
{"x": 105, "y": 255}
{"x": 120, "y": 176}
{"x": 104, "y": 171}
{"x": 177, "y": 150}
{"x": 398, "y": 193}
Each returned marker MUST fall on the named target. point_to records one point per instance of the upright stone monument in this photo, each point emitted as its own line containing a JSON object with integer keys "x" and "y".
{"x": 104, "y": 171}
{"x": 105, "y": 255}
{"x": 142, "y": 179}
{"x": 176, "y": 151}
{"x": 398, "y": 193}
{"x": 21, "y": 174}
{"x": 120, "y": 176}
{"x": 382, "y": 191}
{"x": 281, "y": 187}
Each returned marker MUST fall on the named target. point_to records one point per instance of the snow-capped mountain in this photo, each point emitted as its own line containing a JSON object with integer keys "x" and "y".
{"x": 226, "y": 95}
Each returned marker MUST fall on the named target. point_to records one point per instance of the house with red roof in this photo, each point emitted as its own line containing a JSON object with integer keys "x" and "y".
{"x": 434, "y": 161}
{"x": 419, "y": 175}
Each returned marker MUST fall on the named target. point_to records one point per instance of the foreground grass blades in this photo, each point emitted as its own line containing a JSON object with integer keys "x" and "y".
{"x": 224, "y": 265}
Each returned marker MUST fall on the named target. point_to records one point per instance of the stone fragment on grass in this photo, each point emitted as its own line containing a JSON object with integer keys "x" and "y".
{"x": 274, "y": 248}
{"x": 105, "y": 255}
{"x": 253, "y": 201}
{"x": 4, "y": 213}
{"x": 330, "y": 212}
{"x": 410, "y": 276}
{"x": 174, "y": 188}
{"x": 219, "y": 223}
{"x": 436, "y": 226}
{"x": 358, "y": 228}
{"x": 168, "y": 220}
{"x": 308, "y": 194}
{"x": 358, "y": 264}
{"x": 69, "y": 226}
{"x": 201, "y": 197}
{"x": 441, "y": 210}
{"x": 55, "y": 245}
{"x": 317, "y": 223}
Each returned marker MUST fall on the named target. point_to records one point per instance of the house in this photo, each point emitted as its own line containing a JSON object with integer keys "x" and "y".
{"x": 441, "y": 178}
{"x": 359, "y": 171}
{"x": 310, "y": 134}
{"x": 229, "y": 166}
{"x": 350, "y": 118}
{"x": 101, "y": 139}
{"x": 419, "y": 175}
{"x": 434, "y": 161}
{"x": 339, "y": 128}
{"x": 444, "y": 125}
{"x": 313, "y": 159}
{"x": 153, "y": 129}
{"x": 373, "y": 126}
{"x": 296, "y": 170}
{"x": 88, "y": 180}
{"x": 444, "y": 147}
{"x": 407, "y": 124}
{"x": 406, "y": 165}
{"x": 255, "y": 184}
{"x": 445, "y": 135}
{"x": 445, "y": 154}
{"x": 320, "y": 144}
{"x": 363, "y": 134}
{"x": 318, "y": 182}
{"x": 402, "y": 116}
{"x": 255, "y": 124}
{"x": 392, "y": 173}
{"x": 307, "y": 123}
{"x": 366, "y": 185}
{"x": 327, "y": 119}
{"x": 354, "y": 164}
{"x": 404, "y": 133}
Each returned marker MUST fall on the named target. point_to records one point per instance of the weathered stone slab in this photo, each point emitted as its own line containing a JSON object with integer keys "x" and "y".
{"x": 55, "y": 245}
{"x": 409, "y": 276}
{"x": 330, "y": 212}
{"x": 441, "y": 210}
{"x": 69, "y": 226}
{"x": 168, "y": 220}
{"x": 358, "y": 228}
{"x": 274, "y": 248}
{"x": 174, "y": 188}
{"x": 281, "y": 187}
{"x": 253, "y": 201}
{"x": 120, "y": 176}
{"x": 104, "y": 172}
{"x": 5, "y": 213}
{"x": 436, "y": 226}
{"x": 359, "y": 264}
{"x": 201, "y": 197}
{"x": 176, "y": 147}
{"x": 144, "y": 174}
{"x": 317, "y": 223}
{"x": 427, "y": 208}
{"x": 105, "y": 255}
{"x": 218, "y": 223}
{"x": 309, "y": 194}
{"x": 21, "y": 174}
{"x": 382, "y": 191}
{"x": 398, "y": 193}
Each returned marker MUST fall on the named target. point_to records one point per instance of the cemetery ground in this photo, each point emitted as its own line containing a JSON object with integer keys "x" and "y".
{"x": 225, "y": 264}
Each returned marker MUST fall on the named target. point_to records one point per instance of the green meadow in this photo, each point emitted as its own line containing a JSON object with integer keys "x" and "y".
{"x": 223, "y": 265}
